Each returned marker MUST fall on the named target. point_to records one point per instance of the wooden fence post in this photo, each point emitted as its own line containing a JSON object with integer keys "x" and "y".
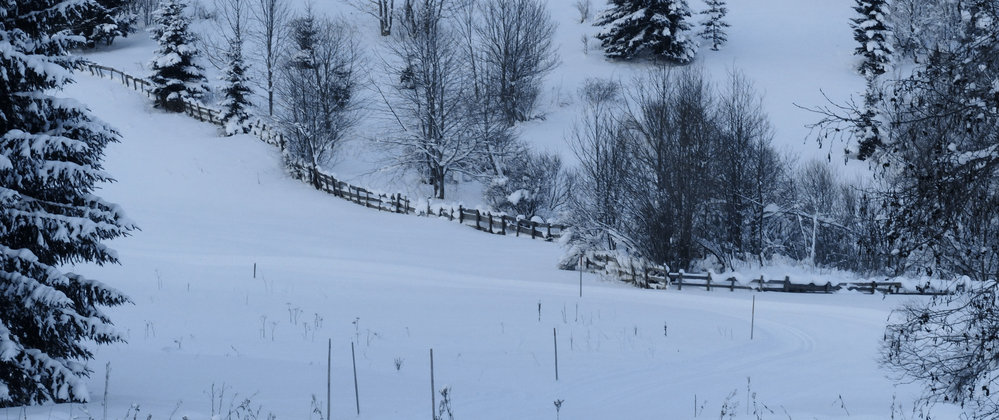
{"x": 533, "y": 230}
{"x": 503, "y": 223}
{"x": 490, "y": 223}
{"x": 478, "y": 219}
{"x": 732, "y": 287}
{"x": 679, "y": 282}
{"x": 461, "y": 214}
{"x": 709, "y": 281}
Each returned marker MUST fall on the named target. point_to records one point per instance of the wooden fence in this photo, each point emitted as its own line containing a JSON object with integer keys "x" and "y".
{"x": 499, "y": 224}
{"x": 652, "y": 276}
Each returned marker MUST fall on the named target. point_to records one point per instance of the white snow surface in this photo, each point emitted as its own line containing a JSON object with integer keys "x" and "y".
{"x": 398, "y": 285}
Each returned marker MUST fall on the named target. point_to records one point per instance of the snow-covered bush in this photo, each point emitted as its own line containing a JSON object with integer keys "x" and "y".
{"x": 534, "y": 185}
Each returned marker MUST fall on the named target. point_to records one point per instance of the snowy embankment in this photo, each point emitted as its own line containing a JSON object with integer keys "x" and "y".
{"x": 211, "y": 208}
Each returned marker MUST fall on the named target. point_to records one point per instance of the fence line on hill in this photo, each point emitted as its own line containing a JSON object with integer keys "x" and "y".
{"x": 485, "y": 221}
{"x": 642, "y": 274}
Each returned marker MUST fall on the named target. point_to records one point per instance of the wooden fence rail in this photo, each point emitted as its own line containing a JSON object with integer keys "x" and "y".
{"x": 499, "y": 224}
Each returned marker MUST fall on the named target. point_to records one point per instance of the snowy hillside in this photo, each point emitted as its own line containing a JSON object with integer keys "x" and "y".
{"x": 793, "y": 51}
{"x": 212, "y": 208}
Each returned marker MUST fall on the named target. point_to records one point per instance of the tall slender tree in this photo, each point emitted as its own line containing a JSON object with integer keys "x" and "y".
{"x": 50, "y": 162}
{"x": 870, "y": 29}
{"x": 233, "y": 15}
{"x": 713, "y": 25}
{"x": 656, "y": 28}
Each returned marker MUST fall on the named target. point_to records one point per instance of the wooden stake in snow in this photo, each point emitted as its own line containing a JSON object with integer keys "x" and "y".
{"x": 433, "y": 393}
{"x": 580, "y": 276}
{"x": 107, "y": 380}
{"x": 357, "y": 398}
{"x": 555, "y": 338}
{"x": 254, "y": 270}
{"x": 752, "y": 320}
{"x": 329, "y": 371}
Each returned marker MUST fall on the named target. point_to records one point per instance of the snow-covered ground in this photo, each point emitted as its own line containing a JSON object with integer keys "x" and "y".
{"x": 211, "y": 208}
{"x": 240, "y": 274}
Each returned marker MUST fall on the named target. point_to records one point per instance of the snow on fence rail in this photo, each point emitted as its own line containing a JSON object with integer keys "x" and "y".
{"x": 485, "y": 221}
{"x": 651, "y": 276}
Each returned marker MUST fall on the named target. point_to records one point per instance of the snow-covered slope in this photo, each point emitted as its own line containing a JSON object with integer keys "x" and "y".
{"x": 792, "y": 50}
{"x": 210, "y": 208}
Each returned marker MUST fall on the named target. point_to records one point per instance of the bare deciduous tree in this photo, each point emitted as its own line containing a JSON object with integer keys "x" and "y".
{"x": 604, "y": 166}
{"x": 316, "y": 93}
{"x": 383, "y": 10}
{"x": 271, "y": 35}
{"x": 515, "y": 50}
{"x": 435, "y": 135}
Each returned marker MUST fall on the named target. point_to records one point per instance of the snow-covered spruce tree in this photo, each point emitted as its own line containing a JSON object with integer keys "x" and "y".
{"x": 871, "y": 31}
{"x": 110, "y": 20}
{"x": 235, "y": 90}
{"x": 656, "y": 28}
{"x": 50, "y": 161}
{"x": 236, "y": 93}
{"x": 713, "y": 25}
{"x": 176, "y": 75}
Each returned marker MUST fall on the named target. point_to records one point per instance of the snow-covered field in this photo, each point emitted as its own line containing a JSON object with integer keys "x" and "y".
{"x": 240, "y": 275}
{"x": 396, "y": 286}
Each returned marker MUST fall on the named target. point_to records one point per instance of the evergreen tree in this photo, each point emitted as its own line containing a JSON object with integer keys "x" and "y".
{"x": 871, "y": 31}
{"x": 176, "y": 75}
{"x": 109, "y": 20}
{"x": 236, "y": 91}
{"x": 714, "y": 26}
{"x": 658, "y": 28}
{"x": 50, "y": 161}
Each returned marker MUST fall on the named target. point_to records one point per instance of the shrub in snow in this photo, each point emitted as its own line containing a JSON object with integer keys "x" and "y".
{"x": 657, "y": 28}
{"x": 534, "y": 185}
{"x": 176, "y": 74}
{"x": 50, "y": 161}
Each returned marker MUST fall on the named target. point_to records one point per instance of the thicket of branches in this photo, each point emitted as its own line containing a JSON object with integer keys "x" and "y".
{"x": 678, "y": 171}
{"x": 467, "y": 72}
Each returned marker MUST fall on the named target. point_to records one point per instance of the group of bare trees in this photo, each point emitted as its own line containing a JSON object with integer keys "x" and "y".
{"x": 465, "y": 72}
{"x": 675, "y": 170}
